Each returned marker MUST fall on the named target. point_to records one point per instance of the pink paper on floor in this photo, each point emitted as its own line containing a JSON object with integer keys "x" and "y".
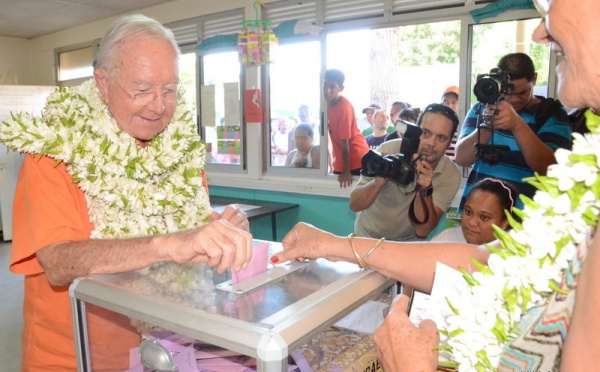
{"x": 256, "y": 266}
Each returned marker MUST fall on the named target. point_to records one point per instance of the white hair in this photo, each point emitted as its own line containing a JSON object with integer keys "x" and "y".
{"x": 130, "y": 28}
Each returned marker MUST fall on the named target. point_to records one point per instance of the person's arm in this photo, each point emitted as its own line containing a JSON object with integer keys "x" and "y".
{"x": 582, "y": 344}
{"x": 289, "y": 157}
{"x": 424, "y": 181}
{"x": 220, "y": 244}
{"x": 537, "y": 154}
{"x": 412, "y": 263}
{"x": 402, "y": 347}
{"x": 364, "y": 194}
{"x": 315, "y": 153}
{"x": 435, "y": 213}
{"x": 465, "y": 151}
{"x": 345, "y": 178}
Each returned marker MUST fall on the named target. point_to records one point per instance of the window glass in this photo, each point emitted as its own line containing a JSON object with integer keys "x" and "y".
{"x": 493, "y": 40}
{"x": 223, "y": 135}
{"x": 295, "y": 99}
{"x": 413, "y": 64}
{"x": 76, "y": 64}
{"x": 187, "y": 79}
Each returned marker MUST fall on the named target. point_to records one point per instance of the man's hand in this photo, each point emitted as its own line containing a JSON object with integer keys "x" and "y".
{"x": 345, "y": 179}
{"x": 402, "y": 347}
{"x": 507, "y": 118}
{"x": 424, "y": 172}
{"x": 219, "y": 244}
{"x": 234, "y": 215}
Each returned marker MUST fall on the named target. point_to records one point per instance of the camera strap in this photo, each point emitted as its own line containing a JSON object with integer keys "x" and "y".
{"x": 411, "y": 208}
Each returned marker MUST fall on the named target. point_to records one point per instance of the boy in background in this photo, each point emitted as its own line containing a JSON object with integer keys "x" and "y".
{"x": 348, "y": 144}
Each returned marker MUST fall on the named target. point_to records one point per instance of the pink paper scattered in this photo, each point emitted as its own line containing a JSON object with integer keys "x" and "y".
{"x": 256, "y": 266}
{"x": 186, "y": 360}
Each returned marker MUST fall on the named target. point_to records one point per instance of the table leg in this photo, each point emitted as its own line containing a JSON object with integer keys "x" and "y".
{"x": 274, "y": 226}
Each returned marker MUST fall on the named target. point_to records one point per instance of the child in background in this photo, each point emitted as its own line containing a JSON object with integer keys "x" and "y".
{"x": 348, "y": 144}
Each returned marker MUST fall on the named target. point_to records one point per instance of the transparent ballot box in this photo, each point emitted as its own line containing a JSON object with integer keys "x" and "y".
{"x": 266, "y": 317}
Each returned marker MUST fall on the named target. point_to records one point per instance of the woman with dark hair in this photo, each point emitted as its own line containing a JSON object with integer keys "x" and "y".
{"x": 485, "y": 207}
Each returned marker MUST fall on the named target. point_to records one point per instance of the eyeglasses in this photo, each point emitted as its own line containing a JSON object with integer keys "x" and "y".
{"x": 542, "y": 6}
{"x": 438, "y": 108}
{"x": 144, "y": 98}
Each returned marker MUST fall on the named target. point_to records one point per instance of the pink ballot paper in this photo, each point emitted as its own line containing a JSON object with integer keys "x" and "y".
{"x": 257, "y": 265}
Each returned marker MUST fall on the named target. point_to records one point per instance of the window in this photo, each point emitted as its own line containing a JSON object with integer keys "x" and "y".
{"x": 75, "y": 64}
{"x": 413, "y": 64}
{"x": 213, "y": 71}
{"x": 493, "y": 40}
{"x": 221, "y": 119}
{"x": 295, "y": 98}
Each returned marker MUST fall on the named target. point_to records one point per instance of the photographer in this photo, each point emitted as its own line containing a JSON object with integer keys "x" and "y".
{"x": 384, "y": 205}
{"x": 528, "y": 127}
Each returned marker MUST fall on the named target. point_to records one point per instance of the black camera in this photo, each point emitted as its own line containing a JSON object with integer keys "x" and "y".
{"x": 397, "y": 167}
{"x": 490, "y": 90}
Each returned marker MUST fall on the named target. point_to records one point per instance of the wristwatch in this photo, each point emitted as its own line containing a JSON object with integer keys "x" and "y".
{"x": 427, "y": 192}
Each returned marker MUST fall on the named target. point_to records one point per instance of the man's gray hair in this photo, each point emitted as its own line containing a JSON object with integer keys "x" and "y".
{"x": 129, "y": 28}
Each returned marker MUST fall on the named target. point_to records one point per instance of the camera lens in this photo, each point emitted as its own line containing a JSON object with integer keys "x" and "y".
{"x": 487, "y": 90}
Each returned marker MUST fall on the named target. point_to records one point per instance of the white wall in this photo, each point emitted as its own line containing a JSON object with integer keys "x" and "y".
{"x": 15, "y": 59}
{"x": 42, "y": 48}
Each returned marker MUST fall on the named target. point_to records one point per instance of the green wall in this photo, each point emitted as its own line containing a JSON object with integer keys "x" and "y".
{"x": 325, "y": 212}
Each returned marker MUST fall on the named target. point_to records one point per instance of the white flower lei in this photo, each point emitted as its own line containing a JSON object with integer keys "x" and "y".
{"x": 534, "y": 257}
{"x": 130, "y": 191}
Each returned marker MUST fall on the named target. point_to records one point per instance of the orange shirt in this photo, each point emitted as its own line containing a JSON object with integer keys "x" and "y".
{"x": 50, "y": 208}
{"x": 342, "y": 126}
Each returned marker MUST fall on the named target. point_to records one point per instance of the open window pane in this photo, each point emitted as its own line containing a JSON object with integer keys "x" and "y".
{"x": 295, "y": 99}
{"x": 413, "y": 64}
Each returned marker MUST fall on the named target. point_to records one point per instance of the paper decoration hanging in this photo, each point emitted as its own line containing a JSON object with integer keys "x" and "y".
{"x": 256, "y": 41}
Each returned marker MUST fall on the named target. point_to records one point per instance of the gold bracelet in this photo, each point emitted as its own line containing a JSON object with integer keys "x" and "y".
{"x": 373, "y": 249}
{"x": 360, "y": 261}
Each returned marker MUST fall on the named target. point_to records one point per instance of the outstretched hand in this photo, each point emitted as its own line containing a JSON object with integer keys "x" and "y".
{"x": 301, "y": 243}
{"x": 402, "y": 347}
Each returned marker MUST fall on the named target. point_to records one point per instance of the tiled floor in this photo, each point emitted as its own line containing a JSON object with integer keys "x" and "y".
{"x": 11, "y": 317}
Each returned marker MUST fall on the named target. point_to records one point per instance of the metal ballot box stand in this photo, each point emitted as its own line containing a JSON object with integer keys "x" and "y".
{"x": 266, "y": 317}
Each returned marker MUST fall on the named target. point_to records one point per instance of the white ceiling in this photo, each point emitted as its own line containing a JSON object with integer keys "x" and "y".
{"x": 31, "y": 18}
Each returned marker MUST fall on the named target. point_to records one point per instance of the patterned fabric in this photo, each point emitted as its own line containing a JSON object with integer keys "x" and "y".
{"x": 323, "y": 349}
{"x": 543, "y": 329}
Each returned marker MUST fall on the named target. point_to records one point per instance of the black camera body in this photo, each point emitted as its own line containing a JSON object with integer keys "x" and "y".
{"x": 490, "y": 90}
{"x": 397, "y": 167}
